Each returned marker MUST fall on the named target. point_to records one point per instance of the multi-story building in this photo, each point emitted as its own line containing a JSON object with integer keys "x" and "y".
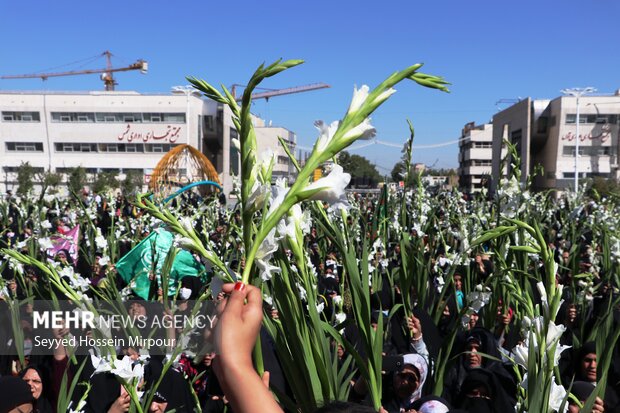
{"x": 121, "y": 132}
{"x": 544, "y": 134}
{"x": 475, "y": 153}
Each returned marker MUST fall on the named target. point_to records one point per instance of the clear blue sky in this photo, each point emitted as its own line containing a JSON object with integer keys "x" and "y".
{"x": 489, "y": 50}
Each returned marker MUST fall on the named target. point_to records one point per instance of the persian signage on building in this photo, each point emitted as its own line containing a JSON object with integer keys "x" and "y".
{"x": 603, "y": 135}
{"x": 170, "y": 134}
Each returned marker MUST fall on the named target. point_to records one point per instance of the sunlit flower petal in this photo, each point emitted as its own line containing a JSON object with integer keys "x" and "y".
{"x": 326, "y": 134}
{"x": 330, "y": 189}
{"x": 359, "y": 97}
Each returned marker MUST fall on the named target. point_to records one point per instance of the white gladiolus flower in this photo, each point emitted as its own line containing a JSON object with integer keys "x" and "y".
{"x": 521, "y": 355}
{"x": 268, "y": 300}
{"x": 267, "y": 270}
{"x": 543, "y": 293}
{"x": 183, "y": 242}
{"x": 45, "y": 244}
{"x": 330, "y": 189}
{"x": 279, "y": 192}
{"x": 362, "y": 131}
{"x": 359, "y": 97}
{"x": 557, "y": 395}
{"x": 326, "y": 133}
{"x": 266, "y": 157}
{"x": 320, "y": 307}
{"x": 101, "y": 242}
{"x": 554, "y": 332}
{"x": 125, "y": 369}
{"x": 383, "y": 96}
{"x": 101, "y": 364}
{"x": 187, "y": 223}
{"x": 340, "y": 318}
{"x": 259, "y": 195}
{"x": 268, "y": 246}
{"x": 302, "y": 292}
{"x": 46, "y": 224}
{"x": 301, "y": 218}
{"x": 337, "y": 300}
{"x": 66, "y": 271}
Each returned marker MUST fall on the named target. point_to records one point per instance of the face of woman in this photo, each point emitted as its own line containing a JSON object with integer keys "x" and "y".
{"x": 406, "y": 381}
{"x": 34, "y": 381}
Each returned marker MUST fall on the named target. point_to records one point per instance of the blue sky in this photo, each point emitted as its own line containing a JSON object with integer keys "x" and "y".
{"x": 488, "y": 50}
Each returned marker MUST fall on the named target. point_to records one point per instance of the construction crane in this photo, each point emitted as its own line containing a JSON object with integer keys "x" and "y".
{"x": 278, "y": 92}
{"x": 106, "y": 74}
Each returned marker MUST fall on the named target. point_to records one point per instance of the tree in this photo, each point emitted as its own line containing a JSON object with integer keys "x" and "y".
{"x": 25, "y": 179}
{"x": 105, "y": 181}
{"x": 133, "y": 181}
{"x": 603, "y": 187}
{"x": 48, "y": 179}
{"x": 398, "y": 172}
{"x": 363, "y": 173}
{"x": 77, "y": 179}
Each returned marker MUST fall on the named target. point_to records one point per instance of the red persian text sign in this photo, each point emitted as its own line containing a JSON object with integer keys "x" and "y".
{"x": 171, "y": 135}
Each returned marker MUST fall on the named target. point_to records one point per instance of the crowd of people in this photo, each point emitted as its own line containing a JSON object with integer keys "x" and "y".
{"x": 480, "y": 375}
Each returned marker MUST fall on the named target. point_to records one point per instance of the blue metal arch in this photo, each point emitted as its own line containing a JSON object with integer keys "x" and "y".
{"x": 190, "y": 186}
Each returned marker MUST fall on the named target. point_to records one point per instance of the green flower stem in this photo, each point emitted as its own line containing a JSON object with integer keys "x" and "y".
{"x": 135, "y": 401}
{"x": 338, "y": 142}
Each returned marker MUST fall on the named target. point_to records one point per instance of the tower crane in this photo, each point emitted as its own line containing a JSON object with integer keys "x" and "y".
{"x": 279, "y": 92}
{"x": 106, "y": 74}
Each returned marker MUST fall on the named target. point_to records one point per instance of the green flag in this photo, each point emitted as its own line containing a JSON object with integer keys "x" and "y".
{"x": 150, "y": 254}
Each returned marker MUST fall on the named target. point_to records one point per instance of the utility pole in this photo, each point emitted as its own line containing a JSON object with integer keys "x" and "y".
{"x": 577, "y": 92}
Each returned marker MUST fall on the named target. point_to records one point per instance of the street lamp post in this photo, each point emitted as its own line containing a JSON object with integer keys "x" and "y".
{"x": 577, "y": 92}
{"x": 186, "y": 90}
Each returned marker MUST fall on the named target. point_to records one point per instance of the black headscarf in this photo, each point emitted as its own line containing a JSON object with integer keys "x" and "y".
{"x": 42, "y": 404}
{"x": 498, "y": 400}
{"x": 15, "y": 392}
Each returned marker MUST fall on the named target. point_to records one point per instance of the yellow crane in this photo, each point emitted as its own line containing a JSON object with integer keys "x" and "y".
{"x": 107, "y": 74}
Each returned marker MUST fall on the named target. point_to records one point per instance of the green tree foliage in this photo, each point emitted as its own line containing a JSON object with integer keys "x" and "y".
{"x": 363, "y": 173}
{"x": 25, "y": 178}
{"x": 604, "y": 188}
{"x": 398, "y": 171}
{"x": 49, "y": 181}
{"x": 77, "y": 179}
{"x": 104, "y": 182}
{"x": 132, "y": 183}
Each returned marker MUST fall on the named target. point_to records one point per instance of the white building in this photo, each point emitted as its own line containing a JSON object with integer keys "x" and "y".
{"x": 544, "y": 132}
{"x": 475, "y": 154}
{"x": 119, "y": 132}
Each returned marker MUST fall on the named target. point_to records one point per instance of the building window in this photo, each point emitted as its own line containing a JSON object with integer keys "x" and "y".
{"x": 174, "y": 117}
{"x": 75, "y": 147}
{"x": 134, "y": 147}
{"x": 600, "y": 118}
{"x": 587, "y": 151}
{"x": 21, "y": 117}
{"x": 158, "y": 147}
{"x": 481, "y": 162}
{"x": 208, "y": 123}
{"x": 571, "y": 175}
{"x": 282, "y": 160}
{"x": 81, "y": 117}
{"x": 24, "y": 146}
{"x": 15, "y": 169}
{"x": 485, "y": 145}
